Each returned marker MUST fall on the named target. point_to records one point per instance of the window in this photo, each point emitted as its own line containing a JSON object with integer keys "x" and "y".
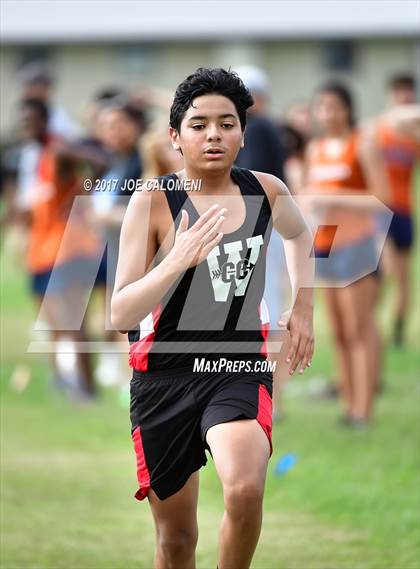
{"x": 339, "y": 55}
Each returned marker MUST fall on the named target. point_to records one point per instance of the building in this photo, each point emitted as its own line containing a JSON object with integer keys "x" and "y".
{"x": 299, "y": 43}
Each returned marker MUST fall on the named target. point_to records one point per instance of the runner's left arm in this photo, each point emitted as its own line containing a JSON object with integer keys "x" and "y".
{"x": 290, "y": 223}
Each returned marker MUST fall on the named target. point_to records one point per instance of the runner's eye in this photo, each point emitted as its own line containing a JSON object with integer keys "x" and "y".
{"x": 227, "y": 125}
{"x": 197, "y": 126}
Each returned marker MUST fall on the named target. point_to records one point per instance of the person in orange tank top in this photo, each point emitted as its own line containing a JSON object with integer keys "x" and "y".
{"x": 398, "y": 132}
{"x": 61, "y": 255}
{"x": 341, "y": 165}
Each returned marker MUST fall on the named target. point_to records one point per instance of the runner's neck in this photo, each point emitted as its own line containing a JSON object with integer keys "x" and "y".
{"x": 211, "y": 183}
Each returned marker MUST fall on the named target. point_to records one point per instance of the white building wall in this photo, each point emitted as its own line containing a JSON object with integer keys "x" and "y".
{"x": 295, "y": 69}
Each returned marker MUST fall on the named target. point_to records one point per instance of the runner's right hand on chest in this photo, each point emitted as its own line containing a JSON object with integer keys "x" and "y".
{"x": 192, "y": 245}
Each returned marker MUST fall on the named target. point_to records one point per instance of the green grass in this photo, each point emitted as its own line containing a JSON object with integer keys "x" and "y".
{"x": 68, "y": 473}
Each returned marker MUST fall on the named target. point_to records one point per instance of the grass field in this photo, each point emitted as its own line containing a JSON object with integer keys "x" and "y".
{"x": 68, "y": 473}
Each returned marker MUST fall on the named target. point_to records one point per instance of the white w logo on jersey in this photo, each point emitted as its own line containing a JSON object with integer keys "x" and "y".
{"x": 235, "y": 269}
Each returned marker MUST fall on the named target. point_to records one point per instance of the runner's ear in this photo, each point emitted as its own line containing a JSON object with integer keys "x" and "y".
{"x": 173, "y": 133}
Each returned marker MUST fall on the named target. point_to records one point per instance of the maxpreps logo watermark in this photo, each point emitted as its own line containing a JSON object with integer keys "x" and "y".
{"x": 230, "y": 268}
{"x": 233, "y": 366}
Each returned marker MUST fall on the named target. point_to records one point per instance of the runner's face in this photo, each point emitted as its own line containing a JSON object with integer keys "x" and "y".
{"x": 210, "y": 133}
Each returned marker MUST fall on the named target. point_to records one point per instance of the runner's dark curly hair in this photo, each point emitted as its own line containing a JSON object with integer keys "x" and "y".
{"x": 205, "y": 81}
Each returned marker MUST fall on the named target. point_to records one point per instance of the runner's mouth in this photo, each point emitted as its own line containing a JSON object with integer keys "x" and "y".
{"x": 214, "y": 152}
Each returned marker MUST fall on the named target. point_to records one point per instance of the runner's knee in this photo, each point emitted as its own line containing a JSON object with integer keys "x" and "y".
{"x": 243, "y": 498}
{"x": 177, "y": 543}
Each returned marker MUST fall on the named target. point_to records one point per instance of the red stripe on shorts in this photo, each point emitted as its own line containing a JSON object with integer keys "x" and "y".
{"x": 143, "y": 474}
{"x": 265, "y": 413}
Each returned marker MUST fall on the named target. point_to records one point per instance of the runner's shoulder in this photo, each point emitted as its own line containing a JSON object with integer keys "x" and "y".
{"x": 272, "y": 185}
{"x": 150, "y": 194}
{"x": 148, "y": 203}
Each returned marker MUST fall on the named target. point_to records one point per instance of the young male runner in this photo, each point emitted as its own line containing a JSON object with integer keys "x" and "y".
{"x": 191, "y": 271}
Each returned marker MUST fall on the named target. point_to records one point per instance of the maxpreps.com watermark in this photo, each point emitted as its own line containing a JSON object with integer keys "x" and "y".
{"x": 233, "y": 366}
{"x": 130, "y": 185}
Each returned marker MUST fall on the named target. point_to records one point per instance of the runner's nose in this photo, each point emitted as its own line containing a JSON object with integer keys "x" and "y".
{"x": 213, "y": 133}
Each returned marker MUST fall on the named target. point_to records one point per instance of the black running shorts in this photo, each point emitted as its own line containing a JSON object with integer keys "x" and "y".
{"x": 171, "y": 413}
